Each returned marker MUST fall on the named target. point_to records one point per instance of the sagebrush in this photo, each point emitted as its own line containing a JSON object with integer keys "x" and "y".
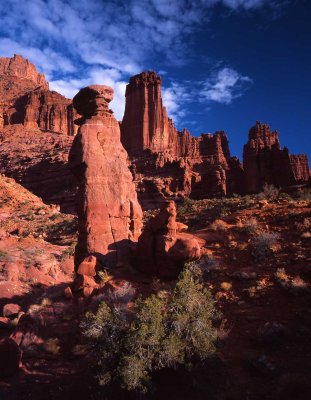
{"x": 165, "y": 330}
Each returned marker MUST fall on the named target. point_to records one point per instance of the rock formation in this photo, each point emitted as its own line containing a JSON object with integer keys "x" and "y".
{"x": 21, "y": 69}
{"x": 46, "y": 110}
{"x": 167, "y": 162}
{"x": 108, "y": 211}
{"x": 37, "y": 129}
{"x": 39, "y": 161}
{"x": 26, "y": 99}
{"x": 266, "y": 163}
{"x": 36, "y": 132}
{"x": 163, "y": 248}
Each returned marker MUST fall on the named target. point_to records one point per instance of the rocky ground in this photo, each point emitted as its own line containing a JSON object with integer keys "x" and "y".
{"x": 258, "y": 266}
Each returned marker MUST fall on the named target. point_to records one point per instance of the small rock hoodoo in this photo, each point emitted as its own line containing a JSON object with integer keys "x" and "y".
{"x": 108, "y": 211}
{"x": 163, "y": 248}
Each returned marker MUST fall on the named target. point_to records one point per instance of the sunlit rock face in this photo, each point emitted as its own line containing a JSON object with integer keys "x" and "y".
{"x": 266, "y": 163}
{"x": 108, "y": 211}
{"x": 27, "y": 100}
{"x": 166, "y": 162}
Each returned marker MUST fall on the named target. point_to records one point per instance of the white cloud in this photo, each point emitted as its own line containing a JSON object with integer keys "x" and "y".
{"x": 225, "y": 86}
{"x": 77, "y": 43}
{"x": 174, "y": 99}
{"x": 100, "y": 76}
{"x": 124, "y": 35}
{"x": 221, "y": 87}
{"x": 46, "y": 60}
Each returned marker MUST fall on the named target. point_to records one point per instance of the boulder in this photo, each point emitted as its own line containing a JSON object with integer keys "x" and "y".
{"x": 87, "y": 266}
{"x": 11, "y": 310}
{"x": 161, "y": 249}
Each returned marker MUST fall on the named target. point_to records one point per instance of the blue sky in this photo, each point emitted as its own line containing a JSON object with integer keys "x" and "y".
{"x": 224, "y": 63}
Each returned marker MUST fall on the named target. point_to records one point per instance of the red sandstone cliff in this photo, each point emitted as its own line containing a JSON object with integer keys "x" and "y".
{"x": 266, "y": 163}
{"x": 36, "y": 131}
{"x": 26, "y": 99}
{"x": 167, "y": 162}
{"x": 22, "y": 70}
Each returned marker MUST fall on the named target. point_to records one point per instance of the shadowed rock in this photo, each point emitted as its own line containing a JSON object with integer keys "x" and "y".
{"x": 162, "y": 248}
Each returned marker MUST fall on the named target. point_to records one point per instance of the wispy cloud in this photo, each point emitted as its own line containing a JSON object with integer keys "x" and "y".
{"x": 222, "y": 86}
{"x": 227, "y": 84}
{"x": 175, "y": 98}
{"x": 81, "y": 42}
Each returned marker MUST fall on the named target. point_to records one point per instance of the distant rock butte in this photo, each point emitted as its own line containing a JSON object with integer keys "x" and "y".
{"x": 19, "y": 67}
{"x": 167, "y": 163}
{"x": 265, "y": 162}
{"x": 109, "y": 214}
{"x": 37, "y": 128}
{"x": 27, "y": 100}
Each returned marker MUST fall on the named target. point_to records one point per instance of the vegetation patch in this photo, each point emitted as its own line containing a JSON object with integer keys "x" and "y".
{"x": 166, "y": 330}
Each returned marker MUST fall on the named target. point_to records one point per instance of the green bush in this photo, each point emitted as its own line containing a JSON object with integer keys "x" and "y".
{"x": 166, "y": 330}
{"x": 187, "y": 206}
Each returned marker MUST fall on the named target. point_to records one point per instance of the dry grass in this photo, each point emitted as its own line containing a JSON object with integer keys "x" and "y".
{"x": 250, "y": 225}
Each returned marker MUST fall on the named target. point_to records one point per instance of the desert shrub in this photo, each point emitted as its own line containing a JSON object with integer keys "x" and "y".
{"x": 269, "y": 192}
{"x": 295, "y": 285}
{"x": 69, "y": 252}
{"x": 224, "y": 212}
{"x": 218, "y": 225}
{"x": 104, "y": 276}
{"x": 206, "y": 264}
{"x": 281, "y": 276}
{"x": 187, "y": 206}
{"x": 298, "y": 285}
{"x": 250, "y": 225}
{"x": 122, "y": 294}
{"x": 158, "y": 332}
{"x": 285, "y": 196}
{"x": 262, "y": 244}
{"x": 304, "y": 195}
{"x": 3, "y": 255}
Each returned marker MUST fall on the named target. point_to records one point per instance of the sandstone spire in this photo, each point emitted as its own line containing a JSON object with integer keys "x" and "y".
{"x": 145, "y": 124}
{"x": 108, "y": 211}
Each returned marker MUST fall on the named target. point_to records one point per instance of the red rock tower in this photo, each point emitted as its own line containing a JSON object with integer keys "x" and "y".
{"x": 145, "y": 124}
{"x": 108, "y": 211}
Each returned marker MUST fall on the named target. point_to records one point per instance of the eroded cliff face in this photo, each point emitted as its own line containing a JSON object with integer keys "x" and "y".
{"x": 36, "y": 133}
{"x": 24, "y": 72}
{"x": 37, "y": 128}
{"x": 46, "y": 110}
{"x": 166, "y": 162}
{"x": 38, "y": 160}
{"x": 27, "y": 100}
{"x": 109, "y": 214}
{"x": 265, "y": 162}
